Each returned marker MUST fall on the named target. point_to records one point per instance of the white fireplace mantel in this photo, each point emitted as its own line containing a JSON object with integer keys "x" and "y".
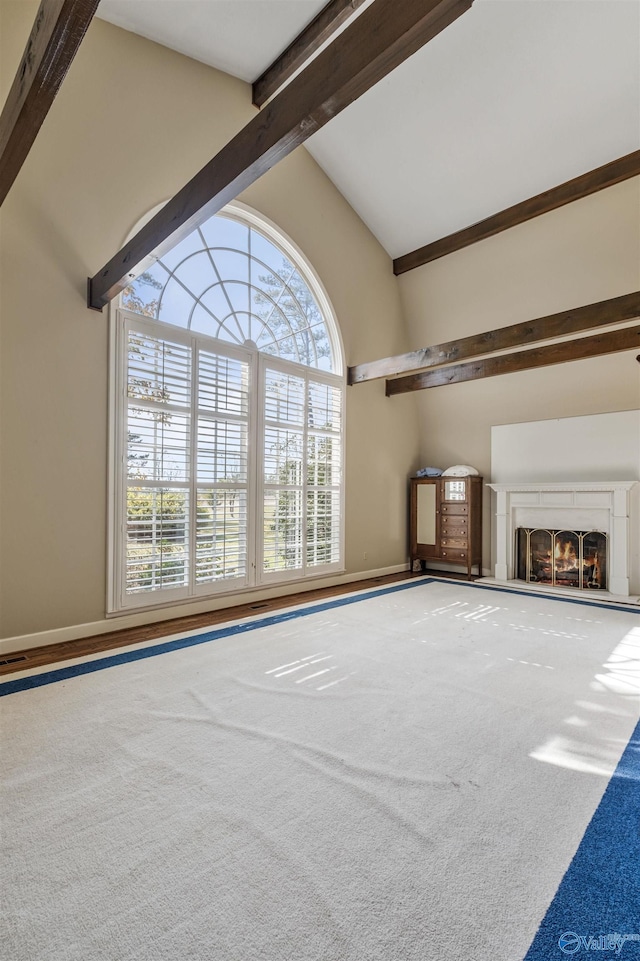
{"x": 592, "y": 505}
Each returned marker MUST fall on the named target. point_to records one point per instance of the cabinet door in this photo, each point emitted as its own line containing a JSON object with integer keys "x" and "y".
{"x": 424, "y": 518}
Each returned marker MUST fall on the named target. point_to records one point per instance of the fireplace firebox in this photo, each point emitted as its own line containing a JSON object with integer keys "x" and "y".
{"x": 562, "y": 558}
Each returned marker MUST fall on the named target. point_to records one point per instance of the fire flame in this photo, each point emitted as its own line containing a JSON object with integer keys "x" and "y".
{"x": 565, "y": 555}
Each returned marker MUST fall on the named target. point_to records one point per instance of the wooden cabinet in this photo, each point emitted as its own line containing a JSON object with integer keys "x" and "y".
{"x": 446, "y": 521}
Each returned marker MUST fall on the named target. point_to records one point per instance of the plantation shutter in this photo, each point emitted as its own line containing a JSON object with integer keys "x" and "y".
{"x": 157, "y": 493}
{"x": 302, "y": 453}
{"x": 186, "y": 496}
{"x": 324, "y": 473}
{"x": 222, "y": 469}
{"x": 283, "y": 465}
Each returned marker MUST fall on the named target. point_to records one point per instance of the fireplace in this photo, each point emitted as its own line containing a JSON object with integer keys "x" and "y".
{"x": 575, "y": 559}
{"x": 567, "y": 536}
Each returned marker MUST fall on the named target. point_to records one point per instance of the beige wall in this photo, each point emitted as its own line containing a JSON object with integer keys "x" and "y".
{"x": 582, "y": 253}
{"x": 132, "y": 123}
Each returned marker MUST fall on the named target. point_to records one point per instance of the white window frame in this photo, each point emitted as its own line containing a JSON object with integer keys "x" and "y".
{"x": 118, "y": 602}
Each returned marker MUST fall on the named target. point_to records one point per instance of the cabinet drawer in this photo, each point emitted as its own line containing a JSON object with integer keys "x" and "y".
{"x": 454, "y": 524}
{"x": 453, "y": 554}
{"x": 461, "y": 542}
{"x": 462, "y": 508}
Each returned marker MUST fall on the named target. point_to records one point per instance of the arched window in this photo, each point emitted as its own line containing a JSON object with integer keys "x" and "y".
{"x": 229, "y": 384}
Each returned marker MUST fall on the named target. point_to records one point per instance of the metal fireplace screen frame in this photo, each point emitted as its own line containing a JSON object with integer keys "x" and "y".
{"x": 562, "y": 558}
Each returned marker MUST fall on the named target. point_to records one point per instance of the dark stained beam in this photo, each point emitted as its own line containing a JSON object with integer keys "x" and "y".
{"x": 55, "y": 37}
{"x": 568, "y": 350}
{"x": 305, "y": 45}
{"x": 381, "y": 38}
{"x": 588, "y": 183}
{"x": 602, "y": 314}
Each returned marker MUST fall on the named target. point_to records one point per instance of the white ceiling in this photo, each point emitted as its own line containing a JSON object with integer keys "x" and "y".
{"x": 241, "y": 37}
{"x": 515, "y": 97}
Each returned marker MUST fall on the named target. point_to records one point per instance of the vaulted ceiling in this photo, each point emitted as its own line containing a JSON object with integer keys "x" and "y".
{"x": 515, "y": 97}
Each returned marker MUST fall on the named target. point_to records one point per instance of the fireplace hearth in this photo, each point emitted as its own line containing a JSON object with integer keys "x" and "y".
{"x": 564, "y": 558}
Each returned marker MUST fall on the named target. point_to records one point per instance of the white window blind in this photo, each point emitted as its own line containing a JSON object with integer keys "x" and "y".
{"x": 222, "y": 468}
{"x": 158, "y": 469}
{"x": 302, "y": 476}
{"x": 186, "y": 449}
{"x": 324, "y": 473}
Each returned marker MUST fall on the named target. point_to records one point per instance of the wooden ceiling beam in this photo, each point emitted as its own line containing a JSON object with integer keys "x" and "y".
{"x": 305, "y": 46}
{"x": 57, "y": 32}
{"x": 561, "y": 353}
{"x": 582, "y": 186}
{"x": 602, "y": 314}
{"x": 382, "y": 37}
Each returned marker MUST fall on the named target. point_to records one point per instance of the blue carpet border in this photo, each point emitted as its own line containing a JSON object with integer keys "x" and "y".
{"x": 598, "y": 899}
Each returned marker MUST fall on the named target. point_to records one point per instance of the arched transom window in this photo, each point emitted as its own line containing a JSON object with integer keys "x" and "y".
{"x": 228, "y": 419}
{"x": 231, "y": 282}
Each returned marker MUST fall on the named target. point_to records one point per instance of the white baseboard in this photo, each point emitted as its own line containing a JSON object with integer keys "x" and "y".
{"x": 75, "y": 632}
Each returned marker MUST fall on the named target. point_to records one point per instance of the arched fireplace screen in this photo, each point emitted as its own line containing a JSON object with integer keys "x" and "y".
{"x": 562, "y": 558}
